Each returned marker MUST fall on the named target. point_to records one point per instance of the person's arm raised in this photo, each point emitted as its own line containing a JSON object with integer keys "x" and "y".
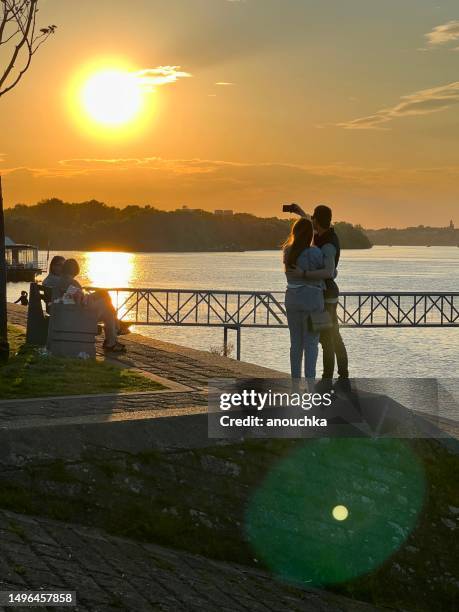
{"x": 297, "y": 210}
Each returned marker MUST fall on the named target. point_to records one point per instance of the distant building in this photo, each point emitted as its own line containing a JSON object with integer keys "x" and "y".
{"x": 188, "y": 209}
{"x": 225, "y": 212}
{"x": 451, "y": 225}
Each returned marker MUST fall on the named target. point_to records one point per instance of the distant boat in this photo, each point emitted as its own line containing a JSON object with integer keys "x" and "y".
{"x": 22, "y": 262}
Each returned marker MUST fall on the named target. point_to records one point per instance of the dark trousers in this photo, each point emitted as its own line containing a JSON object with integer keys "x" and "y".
{"x": 332, "y": 344}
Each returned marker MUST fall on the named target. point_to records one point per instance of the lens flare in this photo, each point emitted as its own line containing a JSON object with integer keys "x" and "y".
{"x": 295, "y": 526}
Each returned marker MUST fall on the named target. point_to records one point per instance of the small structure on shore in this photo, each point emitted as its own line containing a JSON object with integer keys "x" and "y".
{"x": 22, "y": 261}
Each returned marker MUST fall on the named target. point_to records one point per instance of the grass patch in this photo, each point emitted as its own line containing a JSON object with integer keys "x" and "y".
{"x": 30, "y": 374}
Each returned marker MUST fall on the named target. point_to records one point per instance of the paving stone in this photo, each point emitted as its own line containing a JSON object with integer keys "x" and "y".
{"x": 154, "y": 577}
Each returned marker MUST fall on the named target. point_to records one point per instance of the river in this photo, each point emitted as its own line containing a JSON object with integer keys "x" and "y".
{"x": 373, "y": 353}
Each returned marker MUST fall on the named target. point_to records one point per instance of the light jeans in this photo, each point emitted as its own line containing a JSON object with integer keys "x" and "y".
{"x": 304, "y": 343}
{"x": 102, "y": 306}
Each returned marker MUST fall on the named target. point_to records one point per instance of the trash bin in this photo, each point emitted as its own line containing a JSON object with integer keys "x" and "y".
{"x": 72, "y": 331}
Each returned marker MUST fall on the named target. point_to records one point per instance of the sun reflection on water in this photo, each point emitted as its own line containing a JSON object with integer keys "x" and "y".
{"x": 106, "y": 269}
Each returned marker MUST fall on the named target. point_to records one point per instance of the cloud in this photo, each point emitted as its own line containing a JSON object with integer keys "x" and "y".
{"x": 423, "y": 102}
{"x": 200, "y": 166}
{"x": 151, "y": 78}
{"x": 444, "y": 34}
{"x": 202, "y": 173}
{"x": 263, "y": 175}
{"x": 224, "y": 84}
{"x": 370, "y": 196}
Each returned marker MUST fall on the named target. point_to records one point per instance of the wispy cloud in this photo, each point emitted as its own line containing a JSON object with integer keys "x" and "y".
{"x": 444, "y": 34}
{"x": 224, "y": 83}
{"x": 423, "y": 102}
{"x": 242, "y": 172}
{"x": 373, "y": 194}
{"x": 235, "y": 171}
{"x": 151, "y": 78}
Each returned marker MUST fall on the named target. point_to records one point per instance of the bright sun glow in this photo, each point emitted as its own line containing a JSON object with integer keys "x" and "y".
{"x": 112, "y": 97}
{"x": 109, "y": 99}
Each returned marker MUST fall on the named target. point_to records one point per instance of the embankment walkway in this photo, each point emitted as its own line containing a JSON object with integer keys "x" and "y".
{"x": 183, "y": 371}
{"x": 111, "y": 573}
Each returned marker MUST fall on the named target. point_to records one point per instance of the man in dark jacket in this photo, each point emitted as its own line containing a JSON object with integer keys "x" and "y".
{"x": 332, "y": 342}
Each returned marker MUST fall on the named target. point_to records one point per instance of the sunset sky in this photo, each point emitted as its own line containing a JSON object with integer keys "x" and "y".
{"x": 245, "y": 104}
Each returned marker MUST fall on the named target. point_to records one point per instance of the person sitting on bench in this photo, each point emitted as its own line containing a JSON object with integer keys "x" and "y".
{"x": 52, "y": 281}
{"x": 100, "y": 301}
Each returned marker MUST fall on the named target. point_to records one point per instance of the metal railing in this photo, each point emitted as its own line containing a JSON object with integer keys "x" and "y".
{"x": 265, "y": 309}
{"x": 40, "y": 265}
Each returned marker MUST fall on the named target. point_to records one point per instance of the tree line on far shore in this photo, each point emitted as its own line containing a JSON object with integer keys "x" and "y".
{"x": 96, "y": 226}
{"x": 415, "y": 236}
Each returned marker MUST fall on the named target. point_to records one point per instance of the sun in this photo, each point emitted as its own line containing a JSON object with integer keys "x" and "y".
{"x": 108, "y": 99}
{"x": 112, "y": 97}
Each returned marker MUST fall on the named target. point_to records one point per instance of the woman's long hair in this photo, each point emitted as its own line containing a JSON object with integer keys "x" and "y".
{"x": 300, "y": 238}
{"x": 55, "y": 261}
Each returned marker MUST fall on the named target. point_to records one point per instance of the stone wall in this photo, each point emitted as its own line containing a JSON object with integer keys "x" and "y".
{"x": 196, "y": 498}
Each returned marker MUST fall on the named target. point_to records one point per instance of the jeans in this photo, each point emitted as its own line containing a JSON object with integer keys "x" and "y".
{"x": 332, "y": 344}
{"x": 101, "y": 303}
{"x": 304, "y": 343}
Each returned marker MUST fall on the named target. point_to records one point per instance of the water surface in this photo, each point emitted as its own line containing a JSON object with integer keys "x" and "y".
{"x": 373, "y": 352}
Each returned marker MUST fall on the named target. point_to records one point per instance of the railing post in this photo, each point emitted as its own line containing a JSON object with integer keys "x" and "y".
{"x": 225, "y": 341}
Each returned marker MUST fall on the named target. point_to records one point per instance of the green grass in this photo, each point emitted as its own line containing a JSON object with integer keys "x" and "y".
{"x": 29, "y": 374}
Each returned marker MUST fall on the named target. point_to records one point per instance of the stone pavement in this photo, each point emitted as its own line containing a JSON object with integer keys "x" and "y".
{"x": 17, "y": 314}
{"x": 112, "y": 574}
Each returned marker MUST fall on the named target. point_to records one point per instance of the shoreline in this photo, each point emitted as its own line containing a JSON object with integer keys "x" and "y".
{"x": 277, "y": 250}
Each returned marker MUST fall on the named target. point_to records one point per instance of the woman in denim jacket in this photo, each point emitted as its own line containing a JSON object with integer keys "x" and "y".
{"x": 302, "y": 298}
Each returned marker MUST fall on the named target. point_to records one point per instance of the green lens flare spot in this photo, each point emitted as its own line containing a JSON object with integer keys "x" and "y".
{"x": 335, "y": 509}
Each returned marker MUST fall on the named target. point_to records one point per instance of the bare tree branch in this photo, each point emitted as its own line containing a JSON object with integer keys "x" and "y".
{"x": 19, "y": 39}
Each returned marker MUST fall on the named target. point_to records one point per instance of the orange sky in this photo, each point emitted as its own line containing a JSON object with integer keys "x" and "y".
{"x": 249, "y": 104}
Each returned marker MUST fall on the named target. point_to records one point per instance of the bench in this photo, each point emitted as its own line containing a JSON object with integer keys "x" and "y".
{"x": 67, "y": 330}
{"x": 72, "y": 331}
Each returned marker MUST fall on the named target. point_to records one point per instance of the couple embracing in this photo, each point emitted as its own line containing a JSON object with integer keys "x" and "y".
{"x": 311, "y": 258}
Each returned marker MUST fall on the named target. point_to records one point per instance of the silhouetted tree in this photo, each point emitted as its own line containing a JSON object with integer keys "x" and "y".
{"x": 20, "y": 39}
{"x": 94, "y": 226}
